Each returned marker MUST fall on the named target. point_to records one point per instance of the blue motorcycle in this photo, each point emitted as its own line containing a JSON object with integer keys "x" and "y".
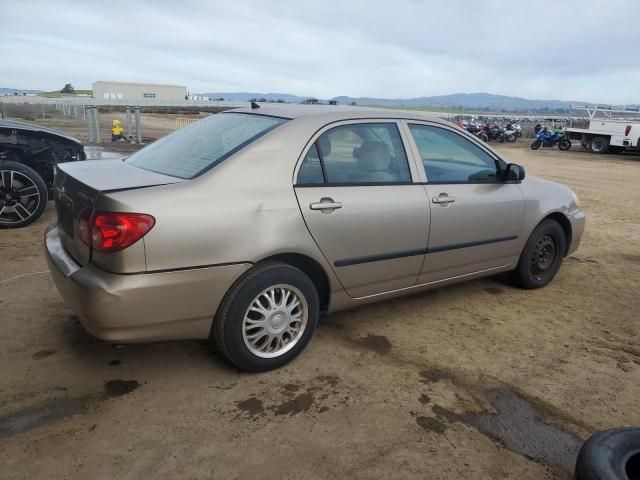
{"x": 549, "y": 138}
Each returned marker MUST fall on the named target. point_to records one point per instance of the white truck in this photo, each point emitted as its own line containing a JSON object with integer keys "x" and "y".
{"x": 609, "y": 130}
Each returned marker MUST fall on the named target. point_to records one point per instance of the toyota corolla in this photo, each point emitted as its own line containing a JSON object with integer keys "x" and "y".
{"x": 248, "y": 225}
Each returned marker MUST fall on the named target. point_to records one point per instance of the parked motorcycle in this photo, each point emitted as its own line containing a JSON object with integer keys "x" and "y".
{"x": 515, "y": 128}
{"x": 549, "y": 138}
{"x": 494, "y": 132}
{"x": 478, "y": 131}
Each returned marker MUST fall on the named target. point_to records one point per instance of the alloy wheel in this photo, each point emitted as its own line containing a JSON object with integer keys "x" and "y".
{"x": 19, "y": 197}
{"x": 275, "y": 321}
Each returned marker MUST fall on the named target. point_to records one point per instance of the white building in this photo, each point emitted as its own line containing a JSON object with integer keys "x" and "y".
{"x": 138, "y": 91}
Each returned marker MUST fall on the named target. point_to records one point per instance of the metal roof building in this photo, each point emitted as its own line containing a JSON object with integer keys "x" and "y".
{"x": 138, "y": 91}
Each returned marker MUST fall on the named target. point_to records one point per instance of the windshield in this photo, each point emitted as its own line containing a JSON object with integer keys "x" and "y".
{"x": 195, "y": 149}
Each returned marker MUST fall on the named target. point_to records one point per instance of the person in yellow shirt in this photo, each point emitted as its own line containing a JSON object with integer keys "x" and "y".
{"x": 117, "y": 132}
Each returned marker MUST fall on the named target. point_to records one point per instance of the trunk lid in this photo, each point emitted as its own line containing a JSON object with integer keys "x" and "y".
{"x": 78, "y": 185}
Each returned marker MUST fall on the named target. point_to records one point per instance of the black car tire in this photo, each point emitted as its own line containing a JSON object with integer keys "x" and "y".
{"x": 37, "y": 185}
{"x": 610, "y": 455}
{"x": 536, "y": 144}
{"x": 541, "y": 256}
{"x": 228, "y": 324}
{"x": 599, "y": 145}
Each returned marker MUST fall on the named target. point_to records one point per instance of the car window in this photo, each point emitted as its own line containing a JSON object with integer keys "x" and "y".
{"x": 358, "y": 153}
{"x": 310, "y": 172}
{"x": 449, "y": 157}
{"x": 195, "y": 149}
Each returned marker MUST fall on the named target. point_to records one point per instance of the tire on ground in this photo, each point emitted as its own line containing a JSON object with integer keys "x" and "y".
{"x": 599, "y": 145}
{"x": 523, "y": 276}
{"x": 610, "y": 455}
{"x": 33, "y": 176}
{"x": 564, "y": 145}
{"x": 227, "y": 327}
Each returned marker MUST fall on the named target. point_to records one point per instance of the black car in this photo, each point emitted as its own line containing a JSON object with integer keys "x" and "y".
{"x": 28, "y": 156}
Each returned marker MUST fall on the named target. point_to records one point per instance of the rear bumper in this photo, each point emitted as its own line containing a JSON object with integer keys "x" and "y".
{"x": 578, "y": 220}
{"x": 140, "y": 307}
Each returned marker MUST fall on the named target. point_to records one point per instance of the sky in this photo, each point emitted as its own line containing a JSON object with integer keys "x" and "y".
{"x": 568, "y": 50}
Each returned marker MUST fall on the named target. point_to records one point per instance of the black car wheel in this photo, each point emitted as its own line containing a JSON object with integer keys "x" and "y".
{"x": 610, "y": 455}
{"x": 541, "y": 257}
{"x": 23, "y": 195}
{"x": 267, "y": 318}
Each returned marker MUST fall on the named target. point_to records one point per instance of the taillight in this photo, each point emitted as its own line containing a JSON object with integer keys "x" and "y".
{"x": 627, "y": 129}
{"x": 114, "y": 231}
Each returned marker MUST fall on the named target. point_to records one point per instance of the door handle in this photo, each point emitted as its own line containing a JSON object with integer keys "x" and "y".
{"x": 443, "y": 198}
{"x": 326, "y": 205}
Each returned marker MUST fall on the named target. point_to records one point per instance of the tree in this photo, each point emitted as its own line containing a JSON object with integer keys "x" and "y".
{"x": 68, "y": 88}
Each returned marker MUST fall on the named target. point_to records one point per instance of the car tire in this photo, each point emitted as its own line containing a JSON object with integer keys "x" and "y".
{"x": 610, "y": 455}
{"x": 243, "y": 332}
{"x": 599, "y": 145}
{"x": 536, "y": 144}
{"x": 541, "y": 256}
{"x": 564, "y": 145}
{"x": 23, "y": 195}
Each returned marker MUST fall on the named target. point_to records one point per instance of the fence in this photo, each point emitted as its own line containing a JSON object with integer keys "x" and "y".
{"x": 70, "y": 102}
{"x": 183, "y": 122}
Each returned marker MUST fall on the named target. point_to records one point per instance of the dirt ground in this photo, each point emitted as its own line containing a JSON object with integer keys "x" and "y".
{"x": 478, "y": 380}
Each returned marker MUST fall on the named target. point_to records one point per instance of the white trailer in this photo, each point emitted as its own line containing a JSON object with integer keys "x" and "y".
{"x": 609, "y": 129}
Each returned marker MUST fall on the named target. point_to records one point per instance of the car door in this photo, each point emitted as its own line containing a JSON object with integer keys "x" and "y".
{"x": 356, "y": 193}
{"x": 476, "y": 218}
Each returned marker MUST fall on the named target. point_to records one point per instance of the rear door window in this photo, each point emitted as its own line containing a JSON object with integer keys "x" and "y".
{"x": 362, "y": 153}
{"x": 193, "y": 150}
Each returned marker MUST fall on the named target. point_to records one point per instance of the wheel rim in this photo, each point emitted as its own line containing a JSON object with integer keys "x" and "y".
{"x": 597, "y": 145}
{"x": 19, "y": 197}
{"x": 543, "y": 256}
{"x": 275, "y": 321}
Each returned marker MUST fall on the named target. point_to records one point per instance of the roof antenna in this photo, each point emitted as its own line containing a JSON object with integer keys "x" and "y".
{"x": 254, "y": 105}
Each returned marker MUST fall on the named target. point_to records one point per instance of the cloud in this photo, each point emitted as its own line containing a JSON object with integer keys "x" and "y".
{"x": 569, "y": 50}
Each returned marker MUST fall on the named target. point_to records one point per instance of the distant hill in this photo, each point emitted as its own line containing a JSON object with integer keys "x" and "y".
{"x": 478, "y": 101}
{"x": 457, "y": 101}
{"x": 481, "y": 101}
{"x": 246, "y": 96}
{"x": 19, "y": 91}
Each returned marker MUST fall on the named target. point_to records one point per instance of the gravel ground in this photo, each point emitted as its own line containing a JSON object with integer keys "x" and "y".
{"x": 478, "y": 380}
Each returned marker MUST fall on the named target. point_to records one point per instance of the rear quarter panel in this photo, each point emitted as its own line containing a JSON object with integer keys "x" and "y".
{"x": 243, "y": 210}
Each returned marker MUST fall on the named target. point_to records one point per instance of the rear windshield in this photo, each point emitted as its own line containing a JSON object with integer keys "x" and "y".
{"x": 195, "y": 149}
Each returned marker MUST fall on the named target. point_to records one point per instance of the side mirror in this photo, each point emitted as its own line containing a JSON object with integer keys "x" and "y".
{"x": 513, "y": 172}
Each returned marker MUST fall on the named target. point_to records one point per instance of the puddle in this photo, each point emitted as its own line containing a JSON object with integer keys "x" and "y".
{"x": 58, "y": 408}
{"x": 517, "y": 426}
{"x": 301, "y": 403}
{"x": 39, "y": 415}
{"x": 431, "y": 424}
{"x": 116, "y": 388}
{"x": 253, "y": 406}
{"x": 100, "y": 153}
